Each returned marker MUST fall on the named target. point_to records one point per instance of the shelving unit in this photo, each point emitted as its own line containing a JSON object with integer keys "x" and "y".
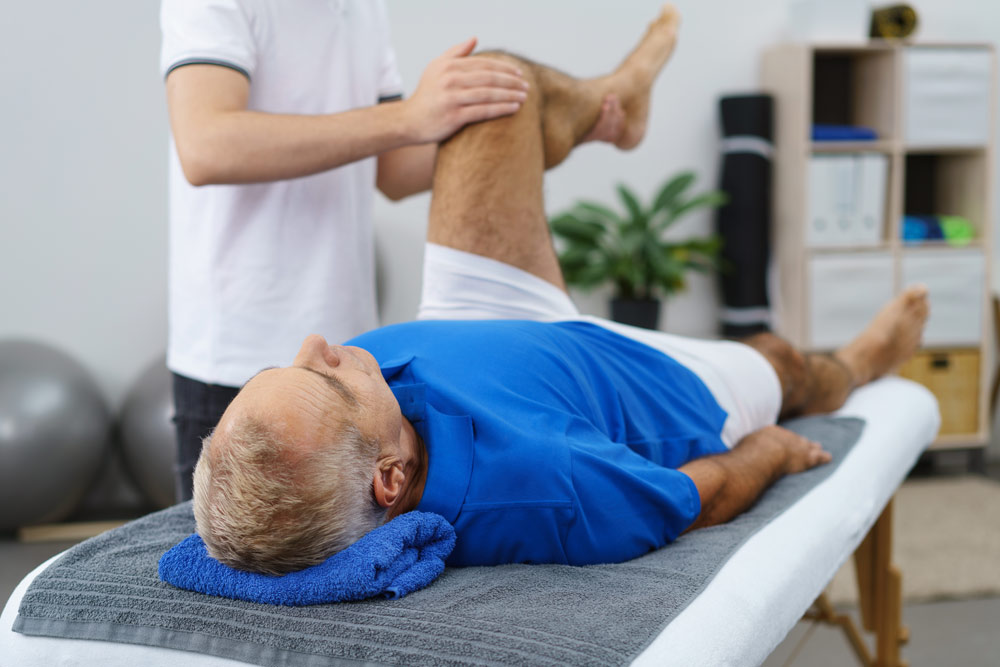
{"x": 831, "y": 280}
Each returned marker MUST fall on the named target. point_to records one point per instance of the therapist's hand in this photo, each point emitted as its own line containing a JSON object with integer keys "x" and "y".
{"x": 457, "y": 89}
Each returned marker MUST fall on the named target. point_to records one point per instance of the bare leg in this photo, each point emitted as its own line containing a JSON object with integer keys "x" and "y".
{"x": 488, "y": 180}
{"x": 729, "y": 483}
{"x": 821, "y": 383}
{"x": 572, "y": 106}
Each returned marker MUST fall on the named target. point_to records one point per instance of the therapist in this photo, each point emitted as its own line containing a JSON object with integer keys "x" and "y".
{"x": 285, "y": 117}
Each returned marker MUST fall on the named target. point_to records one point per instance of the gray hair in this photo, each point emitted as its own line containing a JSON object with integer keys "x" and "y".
{"x": 260, "y": 506}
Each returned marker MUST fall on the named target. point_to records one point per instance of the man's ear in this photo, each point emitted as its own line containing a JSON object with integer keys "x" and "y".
{"x": 388, "y": 481}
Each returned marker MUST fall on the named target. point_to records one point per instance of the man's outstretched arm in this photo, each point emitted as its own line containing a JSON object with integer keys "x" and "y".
{"x": 730, "y": 483}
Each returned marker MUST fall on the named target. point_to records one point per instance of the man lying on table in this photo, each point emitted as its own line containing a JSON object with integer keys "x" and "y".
{"x": 542, "y": 435}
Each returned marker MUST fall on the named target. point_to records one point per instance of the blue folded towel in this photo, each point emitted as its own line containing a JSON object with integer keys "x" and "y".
{"x": 399, "y": 557}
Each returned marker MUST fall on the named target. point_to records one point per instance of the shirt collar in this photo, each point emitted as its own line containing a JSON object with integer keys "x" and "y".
{"x": 448, "y": 439}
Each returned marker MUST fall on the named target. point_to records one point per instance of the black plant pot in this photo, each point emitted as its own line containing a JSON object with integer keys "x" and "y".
{"x": 637, "y": 312}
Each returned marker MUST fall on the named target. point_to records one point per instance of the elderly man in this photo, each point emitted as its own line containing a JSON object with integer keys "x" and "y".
{"x": 542, "y": 435}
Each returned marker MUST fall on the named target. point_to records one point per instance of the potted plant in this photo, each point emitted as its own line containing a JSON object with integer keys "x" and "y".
{"x": 630, "y": 251}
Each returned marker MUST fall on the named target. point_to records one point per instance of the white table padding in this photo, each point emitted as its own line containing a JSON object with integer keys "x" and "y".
{"x": 741, "y": 616}
{"x": 765, "y": 588}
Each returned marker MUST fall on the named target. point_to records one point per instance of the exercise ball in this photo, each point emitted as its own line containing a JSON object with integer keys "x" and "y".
{"x": 54, "y": 432}
{"x": 147, "y": 434}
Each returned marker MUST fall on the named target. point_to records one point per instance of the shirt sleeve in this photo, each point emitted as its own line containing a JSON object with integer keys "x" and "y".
{"x": 390, "y": 83}
{"x": 213, "y": 32}
{"x": 626, "y": 505}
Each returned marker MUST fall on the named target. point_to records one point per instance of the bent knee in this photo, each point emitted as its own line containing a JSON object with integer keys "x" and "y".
{"x": 789, "y": 363}
{"x": 497, "y": 54}
{"x": 527, "y": 67}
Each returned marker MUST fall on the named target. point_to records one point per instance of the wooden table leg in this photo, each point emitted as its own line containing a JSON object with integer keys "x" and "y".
{"x": 880, "y": 591}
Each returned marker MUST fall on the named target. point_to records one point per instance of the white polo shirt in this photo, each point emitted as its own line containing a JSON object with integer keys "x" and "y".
{"x": 256, "y": 268}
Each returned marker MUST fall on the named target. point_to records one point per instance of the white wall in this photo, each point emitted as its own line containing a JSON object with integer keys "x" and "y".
{"x": 82, "y": 162}
{"x": 717, "y": 53}
{"x": 83, "y": 174}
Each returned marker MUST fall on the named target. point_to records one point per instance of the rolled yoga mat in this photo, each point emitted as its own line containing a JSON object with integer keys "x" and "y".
{"x": 744, "y": 223}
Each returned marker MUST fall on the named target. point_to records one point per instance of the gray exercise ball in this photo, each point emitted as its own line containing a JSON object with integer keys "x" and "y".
{"x": 54, "y": 432}
{"x": 148, "y": 436}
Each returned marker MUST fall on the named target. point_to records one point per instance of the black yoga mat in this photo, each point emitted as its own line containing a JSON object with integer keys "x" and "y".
{"x": 744, "y": 223}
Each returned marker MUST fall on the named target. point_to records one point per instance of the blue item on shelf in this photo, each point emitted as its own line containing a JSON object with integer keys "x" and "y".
{"x": 920, "y": 228}
{"x": 822, "y": 132}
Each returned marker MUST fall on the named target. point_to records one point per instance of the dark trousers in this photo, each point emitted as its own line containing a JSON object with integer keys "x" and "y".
{"x": 197, "y": 409}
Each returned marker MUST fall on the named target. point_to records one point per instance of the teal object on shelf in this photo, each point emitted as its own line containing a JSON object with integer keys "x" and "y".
{"x": 953, "y": 229}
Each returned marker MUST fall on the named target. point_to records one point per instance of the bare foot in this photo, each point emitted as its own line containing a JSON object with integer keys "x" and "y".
{"x": 635, "y": 76}
{"x": 891, "y": 338}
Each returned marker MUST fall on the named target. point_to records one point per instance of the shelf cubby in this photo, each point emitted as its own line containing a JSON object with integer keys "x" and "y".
{"x": 855, "y": 86}
{"x": 951, "y": 183}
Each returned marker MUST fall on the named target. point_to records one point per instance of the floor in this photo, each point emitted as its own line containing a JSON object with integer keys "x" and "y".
{"x": 942, "y": 633}
{"x": 959, "y": 632}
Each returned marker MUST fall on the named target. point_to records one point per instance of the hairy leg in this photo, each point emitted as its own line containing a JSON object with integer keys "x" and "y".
{"x": 571, "y": 106}
{"x": 817, "y": 383}
{"x": 729, "y": 483}
{"x": 487, "y": 191}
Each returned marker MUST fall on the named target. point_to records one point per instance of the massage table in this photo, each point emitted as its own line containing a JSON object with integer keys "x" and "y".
{"x": 744, "y": 610}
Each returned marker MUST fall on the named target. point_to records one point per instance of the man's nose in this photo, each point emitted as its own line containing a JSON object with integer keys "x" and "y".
{"x": 314, "y": 346}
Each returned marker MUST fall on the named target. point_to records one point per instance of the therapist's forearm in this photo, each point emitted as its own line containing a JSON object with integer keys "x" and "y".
{"x": 406, "y": 171}
{"x": 221, "y": 140}
{"x": 242, "y": 146}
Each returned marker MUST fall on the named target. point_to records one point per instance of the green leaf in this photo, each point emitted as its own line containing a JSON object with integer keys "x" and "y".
{"x": 576, "y": 229}
{"x": 711, "y": 199}
{"x": 639, "y": 274}
{"x": 631, "y": 203}
{"x": 600, "y": 245}
{"x": 673, "y": 188}
{"x": 669, "y": 270}
{"x": 602, "y": 213}
{"x": 591, "y": 275}
{"x": 710, "y": 245}
{"x": 632, "y": 240}
{"x": 575, "y": 258}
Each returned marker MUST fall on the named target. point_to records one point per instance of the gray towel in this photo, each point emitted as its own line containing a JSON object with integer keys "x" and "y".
{"x": 107, "y": 588}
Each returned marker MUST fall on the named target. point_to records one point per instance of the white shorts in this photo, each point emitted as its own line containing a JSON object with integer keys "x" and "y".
{"x": 462, "y": 286}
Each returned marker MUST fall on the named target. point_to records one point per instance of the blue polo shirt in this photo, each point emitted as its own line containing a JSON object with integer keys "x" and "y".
{"x": 549, "y": 442}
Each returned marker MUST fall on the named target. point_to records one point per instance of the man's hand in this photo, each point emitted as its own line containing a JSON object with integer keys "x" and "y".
{"x": 730, "y": 483}
{"x": 457, "y": 89}
{"x": 610, "y": 124}
{"x": 798, "y": 453}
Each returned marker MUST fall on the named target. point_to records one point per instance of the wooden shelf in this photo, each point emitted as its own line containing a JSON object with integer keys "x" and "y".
{"x": 836, "y": 249}
{"x": 949, "y": 149}
{"x": 876, "y": 146}
{"x": 870, "y": 46}
{"x": 819, "y": 288}
{"x": 923, "y": 246}
{"x": 960, "y": 441}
